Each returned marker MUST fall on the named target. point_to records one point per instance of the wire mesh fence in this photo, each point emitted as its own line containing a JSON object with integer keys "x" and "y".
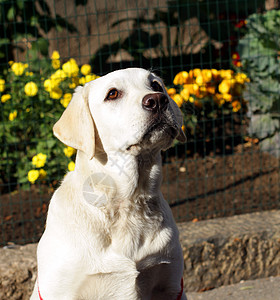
{"x": 220, "y": 63}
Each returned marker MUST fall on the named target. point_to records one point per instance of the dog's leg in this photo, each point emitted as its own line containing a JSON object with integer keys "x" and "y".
{"x": 35, "y": 294}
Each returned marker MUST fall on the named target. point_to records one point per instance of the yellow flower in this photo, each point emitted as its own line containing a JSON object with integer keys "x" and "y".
{"x": 227, "y": 97}
{"x": 215, "y": 73}
{"x": 5, "y": 98}
{"x": 191, "y": 99}
{"x": 207, "y": 75}
{"x": 42, "y": 174}
{"x": 89, "y": 78}
{"x": 18, "y": 68}
{"x": 241, "y": 78}
{"x": 33, "y": 175}
{"x": 181, "y": 78}
{"x": 227, "y": 74}
{"x": 56, "y": 93}
{"x": 29, "y": 73}
{"x": 224, "y": 86}
{"x": 219, "y": 99}
{"x": 69, "y": 151}
{"x": 31, "y": 89}
{"x": 39, "y": 160}
{"x": 171, "y": 92}
{"x": 13, "y": 115}
{"x": 196, "y": 72}
{"x": 71, "y": 68}
{"x": 58, "y": 76}
{"x": 185, "y": 94}
{"x": 56, "y": 63}
{"x": 2, "y": 85}
{"x": 178, "y": 99}
{"x": 199, "y": 80}
{"x": 71, "y": 166}
{"x": 82, "y": 80}
{"x": 86, "y": 69}
{"x": 55, "y": 55}
{"x": 66, "y": 99}
{"x": 236, "y": 106}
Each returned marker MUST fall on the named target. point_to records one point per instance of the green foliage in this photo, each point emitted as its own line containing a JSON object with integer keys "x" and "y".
{"x": 259, "y": 54}
{"x": 21, "y": 25}
{"x": 33, "y": 97}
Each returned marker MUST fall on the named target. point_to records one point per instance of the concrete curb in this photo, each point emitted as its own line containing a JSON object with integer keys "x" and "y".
{"x": 227, "y": 250}
{"x": 216, "y": 252}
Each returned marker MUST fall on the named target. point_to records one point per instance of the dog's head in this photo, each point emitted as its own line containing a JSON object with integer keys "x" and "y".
{"x": 122, "y": 111}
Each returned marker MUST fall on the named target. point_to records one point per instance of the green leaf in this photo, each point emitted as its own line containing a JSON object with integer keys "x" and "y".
{"x": 20, "y": 4}
{"x": 263, "y": 126}
{"x": 41, "y": 45}
{"x": 11, "y": 13}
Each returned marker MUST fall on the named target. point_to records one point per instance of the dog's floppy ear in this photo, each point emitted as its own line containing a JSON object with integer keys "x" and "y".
{"x": 75, "y": 128}
{"x": 181, "y": 137}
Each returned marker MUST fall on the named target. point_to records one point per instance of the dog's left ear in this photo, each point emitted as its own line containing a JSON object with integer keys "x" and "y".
{"x": 75, "y": 128}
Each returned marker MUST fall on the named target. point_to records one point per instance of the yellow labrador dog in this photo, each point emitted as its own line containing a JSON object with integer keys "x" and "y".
{"x": 109, "y": 232}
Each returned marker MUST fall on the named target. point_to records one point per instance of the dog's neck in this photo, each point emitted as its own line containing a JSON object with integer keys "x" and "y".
{"x": 125, "y": 176}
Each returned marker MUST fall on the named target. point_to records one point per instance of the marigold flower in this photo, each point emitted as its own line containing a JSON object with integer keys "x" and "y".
{"x": 56, "y": 63}
{"x": 90, "y": 77}
{"x": 196, "y": 72}
{"x": 18, "y": 68}
{"x": 13, "y": 115}
{"x": 236, "y": 106}
{"x": 39, "y": 160}
{"x": 226, "y": 74}
{"x": 66, "y": 99}
{"x": 42, "y": 174}
{"x": 55, "y": 55}
{"x": 191, "y": 99}
{"x": 215, "y": 73}
{"x": 33, "y": 175}
{"x": 58, "y": 77}
{"x": 71, "y": 166}
{"x": 31, "y": 89}
{"x": 227, "y": 97}
{"x": 82, "y": 81}
{"x": 178, "y": 99}
{"x": 5, "y": 98}
{"x": 2, "y": 85}
{"x": 86, "y": 69}
{"x": 224, "y": 86}
{"x": 181, "y": 78}
{"x": 171, "y": 92}
{"x": 185, "y": 94}
{"x": 207, "y": 75}
{"x": 241, "y": 78}
{"x": 56, "y": 93}
{"x": 199, "y": 80}
{"x": 69, "y": 151}
{"x": 71, "y": 68}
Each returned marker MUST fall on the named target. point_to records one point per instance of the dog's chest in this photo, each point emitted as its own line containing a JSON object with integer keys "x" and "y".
{"x": 146, "y": 242}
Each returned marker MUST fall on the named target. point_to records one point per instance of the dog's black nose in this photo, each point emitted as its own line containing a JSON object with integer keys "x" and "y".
{"x": 155, "y": 102}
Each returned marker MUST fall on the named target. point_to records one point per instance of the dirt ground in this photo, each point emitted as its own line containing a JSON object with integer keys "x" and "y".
{"x": 196, "y": 188}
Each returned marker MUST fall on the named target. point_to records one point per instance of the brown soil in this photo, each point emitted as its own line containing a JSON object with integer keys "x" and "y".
{"x": 196, "y": 188}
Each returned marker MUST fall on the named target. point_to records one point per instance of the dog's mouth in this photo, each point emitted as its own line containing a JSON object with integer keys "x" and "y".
{"x": 159, "y": 133}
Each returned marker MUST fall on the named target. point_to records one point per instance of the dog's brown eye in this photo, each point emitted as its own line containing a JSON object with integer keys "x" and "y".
{"x": 156, "y": 86}
{"x": 112, "y": 95}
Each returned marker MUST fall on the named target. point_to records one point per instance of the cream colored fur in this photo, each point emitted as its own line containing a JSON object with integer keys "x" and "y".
{"x": 109, "y": 232}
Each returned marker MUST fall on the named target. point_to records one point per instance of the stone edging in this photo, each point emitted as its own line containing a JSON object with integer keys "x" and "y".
{"x": 216, "y": 252}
